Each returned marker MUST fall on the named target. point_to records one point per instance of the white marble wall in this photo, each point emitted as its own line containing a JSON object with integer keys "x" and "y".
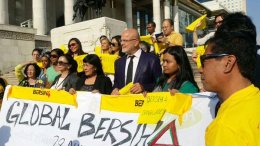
{"x": 88, "y": 32}
{"x": 16, "y": 46}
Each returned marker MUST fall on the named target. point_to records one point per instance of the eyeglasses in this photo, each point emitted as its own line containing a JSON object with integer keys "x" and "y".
{"x": 62, "y": 63}
{"x": 72, "y": 45}
{"x": 54, "y": 56}
{"x": 127, "y": 40}
{"x": 210, "y": 56}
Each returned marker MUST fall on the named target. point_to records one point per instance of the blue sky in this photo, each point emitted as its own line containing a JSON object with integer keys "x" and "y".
{"x": 253, "y": 11}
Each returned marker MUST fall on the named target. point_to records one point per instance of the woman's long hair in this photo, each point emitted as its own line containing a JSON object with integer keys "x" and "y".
{"x": 72, "y": 62}
{"x": 94, "y": 60}
{"x": 185, "y": 71}
{"x": 79, "y": 51}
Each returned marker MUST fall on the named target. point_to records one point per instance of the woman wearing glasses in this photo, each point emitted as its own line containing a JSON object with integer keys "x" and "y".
{"x": 94, "y": 79}
{"x": 116, "y": 47}
{"x": 177, "y": 73}
{"x": 53, "y": 70}
{"x": 67, "y": 67}
{"x": 75, "y": 47}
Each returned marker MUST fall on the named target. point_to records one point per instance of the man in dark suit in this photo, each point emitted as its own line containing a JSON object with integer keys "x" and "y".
{"x": 141, "y": 68}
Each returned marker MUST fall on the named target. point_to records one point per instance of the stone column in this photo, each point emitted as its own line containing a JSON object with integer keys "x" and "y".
{"x": 4, "y": 15}
{"x": 157, "y": 15}
{"x": 176, "y": 16}
{"x": 167, "y": 9}
{"x": 68, "y": 11}
{"x": 129, "y": 13}
{"x": 39, "y": 16}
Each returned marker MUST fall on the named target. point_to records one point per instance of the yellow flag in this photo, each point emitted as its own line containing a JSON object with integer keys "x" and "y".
{"x": 202, "y": 19}
{"x": 200, "y": 50}
{"x": 108, "y": 62}
{"x": 64, "y": 49}
{"x": 147, "y": 39}
{"x": 126, "y": 90}
{"x": 79, "y": 60}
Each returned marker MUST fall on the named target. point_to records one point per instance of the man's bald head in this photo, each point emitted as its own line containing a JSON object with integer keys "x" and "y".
{"x": 130, "y": 41}
{"x": 132, "y": 33}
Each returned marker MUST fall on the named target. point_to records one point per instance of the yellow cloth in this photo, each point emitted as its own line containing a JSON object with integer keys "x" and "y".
{"x": 40, "y": 64}
{"x": 79, "y": 60}
{"x": 148, "y": 39}
{"x": 126, "y": 90}
{"x": 108, "y": 62}
{"x": 18, "y": 72}
{"x": 238, "y": 120}
{"x": 45, "y": 95}
{"x": 64, "y": 49}
{"x": 200, "y": 50}
{"x": 98, "y": 50}
{"x": 174, "y": 38}
{"x": 192, "y": 26}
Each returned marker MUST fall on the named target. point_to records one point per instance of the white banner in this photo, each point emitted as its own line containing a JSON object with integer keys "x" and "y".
{"x": 29, "y": 123}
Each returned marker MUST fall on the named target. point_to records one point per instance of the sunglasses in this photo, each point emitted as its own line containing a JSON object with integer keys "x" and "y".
{"x": 210, "y": 56}
{"x": 54, "y": 56}
{"x": 62, "y": 63}
{"x": 113, "y": 44}
{"x": 72, "y": 45}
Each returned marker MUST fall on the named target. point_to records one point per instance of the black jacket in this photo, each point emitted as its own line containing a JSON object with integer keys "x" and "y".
{"x": 103, "y": 84}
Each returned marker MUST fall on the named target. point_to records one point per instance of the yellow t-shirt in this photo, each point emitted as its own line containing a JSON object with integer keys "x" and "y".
{"x": 238, "y": 120}
{"x": 174, "y": 38}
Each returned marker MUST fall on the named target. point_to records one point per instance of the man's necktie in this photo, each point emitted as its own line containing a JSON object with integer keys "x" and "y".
{"x": 129, "y": 76}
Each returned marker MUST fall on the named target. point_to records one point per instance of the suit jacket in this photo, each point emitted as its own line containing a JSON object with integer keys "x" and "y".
{"x": 147, "y": 71}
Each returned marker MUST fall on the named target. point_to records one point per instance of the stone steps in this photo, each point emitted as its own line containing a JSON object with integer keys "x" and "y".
{"x": 10, "y": 78}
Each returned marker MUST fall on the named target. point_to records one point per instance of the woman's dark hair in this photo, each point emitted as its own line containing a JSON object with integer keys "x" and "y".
{"x": 3, "y": 83}
{"x": 38, "y": 50}
{"x": 57, "y": 51}
{"x": 118, "y": 39}
{"x": 79, "y": 51}
{"x": 36, "y": 67}
{"x": 185, "y": 71}
{"x": 47, "y": 55}
{"x": 94, "y": 60}
{"x": 72, "y": 62}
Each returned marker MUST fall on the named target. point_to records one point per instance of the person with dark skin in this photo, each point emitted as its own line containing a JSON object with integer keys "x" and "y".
{"x": 228, "y": 70}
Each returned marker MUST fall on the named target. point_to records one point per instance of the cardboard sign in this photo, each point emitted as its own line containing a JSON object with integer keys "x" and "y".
{"x": 94, "y": 120}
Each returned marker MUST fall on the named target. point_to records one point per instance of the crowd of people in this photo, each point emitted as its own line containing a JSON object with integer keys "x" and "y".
{"x": 228, "y": 68}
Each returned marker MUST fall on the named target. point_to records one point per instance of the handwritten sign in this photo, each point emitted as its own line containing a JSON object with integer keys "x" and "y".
{"x": 24, "y": 120}
{"x": 154, "y": 107}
